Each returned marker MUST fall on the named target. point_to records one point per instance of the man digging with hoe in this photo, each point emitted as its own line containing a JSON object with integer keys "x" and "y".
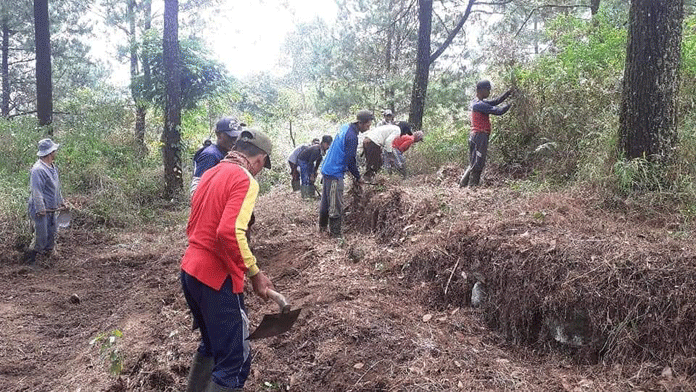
{"x": 216, "y": 261}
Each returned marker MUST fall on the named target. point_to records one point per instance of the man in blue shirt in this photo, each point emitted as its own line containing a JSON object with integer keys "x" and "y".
{"x": 227, "y": 131}
{"x": 340, "y": 158}
{"x": 44, "y": 201}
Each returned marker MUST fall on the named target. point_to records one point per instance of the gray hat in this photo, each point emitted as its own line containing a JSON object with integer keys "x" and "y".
{"x": 387, "y": 112}
{"x": 364, "y": 116}
{"x": 229, "y": 125}
{"x": 260, "y": 140}
{"x": 46, "y": 146}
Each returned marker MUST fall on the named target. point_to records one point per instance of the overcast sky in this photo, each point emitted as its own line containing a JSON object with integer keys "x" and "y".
{"x": 258, "y": 30}
{"x": 244, "y": 35}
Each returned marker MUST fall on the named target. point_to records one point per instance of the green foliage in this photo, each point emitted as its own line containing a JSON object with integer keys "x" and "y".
{"x": 201, "y": 76}
{"x": 108, "y": 349}
{"x": 17, "y": 154}
{"x": 69, "y": 53}
{"x": 102, "y": 169}
{"x": 445, "y": 145}
{"x": 567, "y": 101}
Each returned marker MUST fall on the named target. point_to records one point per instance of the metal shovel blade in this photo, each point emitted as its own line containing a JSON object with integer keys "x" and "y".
{"x": 63, "y": 218}
{"x": 275, "y": 324}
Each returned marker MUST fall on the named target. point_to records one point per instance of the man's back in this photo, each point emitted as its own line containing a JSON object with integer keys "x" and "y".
{"x": 220, "y": 211}
{"x": 342, "y": 153}
{"x": 384, "y": 135}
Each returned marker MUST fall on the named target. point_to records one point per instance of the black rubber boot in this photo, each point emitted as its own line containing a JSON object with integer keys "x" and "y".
{"x": 213, "y": 387}
{"x": 323, "y": 222}
{"x": 307, "y": 191}
{"x": 30, "y": 257}
{"x": 199, "y": 374}
{"x": 465, "y": 178}
{"x": 335, "y": 227}
{"x": 475, "y": 179}
{"x": 295, "y": 185}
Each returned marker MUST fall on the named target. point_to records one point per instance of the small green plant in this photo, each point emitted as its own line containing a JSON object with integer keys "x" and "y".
{"x": 108, "y": 349}
{"x": 540, "y": 216}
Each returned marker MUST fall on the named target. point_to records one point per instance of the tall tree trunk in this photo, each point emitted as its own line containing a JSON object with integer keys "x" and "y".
{"x": 389, "y": 88}
{"x": 5, "y": 67}
{"x": 44, "y": 86}
{"x": 594, "y": 7}
{"x": 420, "y": 83}
{"x": 136, "y": 93}
{"x": 424, "y": 59}
{"x": 172, "y": 120}
{"x": 647, "y": 121}
{"x": 142, "y": 106}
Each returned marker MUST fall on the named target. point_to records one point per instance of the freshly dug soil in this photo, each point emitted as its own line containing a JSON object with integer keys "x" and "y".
{"x": 386, "y": 308}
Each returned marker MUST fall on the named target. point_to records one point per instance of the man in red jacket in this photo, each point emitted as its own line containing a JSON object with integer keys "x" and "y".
{"x": 216, "y": 261}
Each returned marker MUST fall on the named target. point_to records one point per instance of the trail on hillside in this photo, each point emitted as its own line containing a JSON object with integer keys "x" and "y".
{"x": 387, "y": 308}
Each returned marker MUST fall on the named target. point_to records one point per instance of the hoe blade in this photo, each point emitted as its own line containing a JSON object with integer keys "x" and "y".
{"x": 275, "y": 324}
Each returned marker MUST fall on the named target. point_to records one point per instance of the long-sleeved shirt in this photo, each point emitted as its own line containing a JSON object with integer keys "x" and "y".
{"x": 403, "y": 142}
{"x": 44, "y": 187}
{"x": 312, "y": 156}
{"x": 384, "y": 136}
{"x": 341, "y": 155}
{"x": 220, "y": 212}
{"x": 482, "y": 109}
{"x": 204, "y": 160}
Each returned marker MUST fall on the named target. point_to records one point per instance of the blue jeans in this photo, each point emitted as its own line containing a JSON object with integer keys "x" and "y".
{"x": 44, "y": 231}
{"x": 222, "y": 318}
{"x": 305, "y": 172}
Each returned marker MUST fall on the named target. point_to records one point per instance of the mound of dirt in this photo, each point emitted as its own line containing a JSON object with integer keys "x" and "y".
{"x": 560, "y": 273}
{"x": 387, "y": 307}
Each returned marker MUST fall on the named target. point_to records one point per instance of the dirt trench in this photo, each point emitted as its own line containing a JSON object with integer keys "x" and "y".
{"x": 375, "y": 316}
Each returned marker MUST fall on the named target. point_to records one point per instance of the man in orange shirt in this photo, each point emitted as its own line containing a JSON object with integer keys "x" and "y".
{"x": 216, "y": 261}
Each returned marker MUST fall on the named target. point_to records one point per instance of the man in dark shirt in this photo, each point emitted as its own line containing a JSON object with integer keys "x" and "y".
{"x": 481, "y": 109}
{"x": 309, "y": 161}
{"x": 227, "y": 130}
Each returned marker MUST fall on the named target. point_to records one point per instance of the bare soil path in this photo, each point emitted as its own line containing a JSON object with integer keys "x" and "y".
{"x": 374, "y": 317}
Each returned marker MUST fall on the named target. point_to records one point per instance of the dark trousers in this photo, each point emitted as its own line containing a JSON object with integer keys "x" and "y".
{"x": 331, "y": 206}
{"x": 294, "y": 172}
{"x": 44, "y": 231}
{"x": 478, "y": 150}
{"x": 224, "y": 326}
{"x": 373, "y": 157}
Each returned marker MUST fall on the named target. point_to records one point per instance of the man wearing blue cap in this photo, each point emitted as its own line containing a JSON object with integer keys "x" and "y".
{"x": 227, "y": 131}
{"x": 45, "y": 199}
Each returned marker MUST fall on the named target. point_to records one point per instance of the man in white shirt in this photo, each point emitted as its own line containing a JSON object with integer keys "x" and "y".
{"x": 379, "y": 140}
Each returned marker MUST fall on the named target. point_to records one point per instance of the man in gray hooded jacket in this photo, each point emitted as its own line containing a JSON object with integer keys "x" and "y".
{"x": 45, "y": 199}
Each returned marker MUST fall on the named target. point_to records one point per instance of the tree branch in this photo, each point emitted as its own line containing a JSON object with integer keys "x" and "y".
{"x": 453, "y": 33}
{"x": 547, "y": 6}
{"x": 497, "y": 3}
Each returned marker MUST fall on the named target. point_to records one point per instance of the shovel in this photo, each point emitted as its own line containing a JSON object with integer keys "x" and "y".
{"x": 275, "y": 324}
{"x": 63, "y": 216}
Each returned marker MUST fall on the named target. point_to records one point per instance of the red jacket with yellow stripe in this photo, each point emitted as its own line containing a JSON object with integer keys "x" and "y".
{"x": 220, "y": 211}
